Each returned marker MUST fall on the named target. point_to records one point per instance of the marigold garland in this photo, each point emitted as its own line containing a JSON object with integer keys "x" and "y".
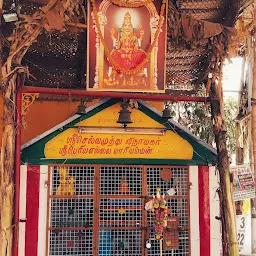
{"x": 127, "y": 5}
{"x": 114, "y": 64}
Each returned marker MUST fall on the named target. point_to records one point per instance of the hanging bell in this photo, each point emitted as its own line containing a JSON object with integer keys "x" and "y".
{"x": 167, "y": 112}
{"x": 81, "y": 109}
{"x": 124, "y": 115}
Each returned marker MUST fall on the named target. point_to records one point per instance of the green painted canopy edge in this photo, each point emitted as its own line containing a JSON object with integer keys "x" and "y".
{"x": 34, "y": 154}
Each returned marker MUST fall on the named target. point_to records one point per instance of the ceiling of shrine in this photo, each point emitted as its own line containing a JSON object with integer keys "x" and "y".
{"x": 58, "y": 60}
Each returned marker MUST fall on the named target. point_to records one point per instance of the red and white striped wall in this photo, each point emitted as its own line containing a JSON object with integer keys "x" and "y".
{"x": 205, "y": 229}
{"x": 33, "y": 208}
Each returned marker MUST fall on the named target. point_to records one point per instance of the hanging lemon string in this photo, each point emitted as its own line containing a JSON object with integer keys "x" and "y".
{"x": 114, "y": 64}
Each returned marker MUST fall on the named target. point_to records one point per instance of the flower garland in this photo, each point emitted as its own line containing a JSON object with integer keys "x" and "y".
{"x": 131, "y": 5}
{"x": 114, "y": 64}
{"x": 159, "y": 213}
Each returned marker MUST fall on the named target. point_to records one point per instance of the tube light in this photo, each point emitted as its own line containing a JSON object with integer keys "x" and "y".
{"x": 121, "y": 130}
{"x": 10, "y": 16}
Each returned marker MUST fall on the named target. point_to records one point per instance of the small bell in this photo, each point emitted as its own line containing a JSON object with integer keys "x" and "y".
{"x": 124, "y": 115}
{"x": 81, "y": 109}
{"x": 167, "y": 112}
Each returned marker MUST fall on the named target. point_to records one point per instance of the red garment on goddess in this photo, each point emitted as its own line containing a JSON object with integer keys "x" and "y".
{"x": 127, "y": 43}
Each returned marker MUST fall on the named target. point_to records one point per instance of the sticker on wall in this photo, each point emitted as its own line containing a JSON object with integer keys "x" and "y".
{"x": 66, "y": 186}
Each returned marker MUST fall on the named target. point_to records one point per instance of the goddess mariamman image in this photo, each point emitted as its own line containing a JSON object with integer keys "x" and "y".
{"x": 127, "y": 43}
{"x": 129, "y": 47}
{"x": 126, "y": 54}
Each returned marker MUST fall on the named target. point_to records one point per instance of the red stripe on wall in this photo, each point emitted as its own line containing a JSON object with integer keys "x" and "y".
{"x": 204, "y": 210}
{"x": 32, "y": 210}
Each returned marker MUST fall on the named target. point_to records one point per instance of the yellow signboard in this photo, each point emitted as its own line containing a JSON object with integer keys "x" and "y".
{"x": 72, "y": 144}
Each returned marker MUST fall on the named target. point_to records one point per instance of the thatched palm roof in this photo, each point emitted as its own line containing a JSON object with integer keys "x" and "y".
{"x": 58, "y": 60}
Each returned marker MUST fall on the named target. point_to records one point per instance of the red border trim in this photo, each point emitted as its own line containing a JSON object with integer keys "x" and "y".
{"x": 119, "y": 95}
{"x": 32, "y": 210}
{"x": 204, "y": 210}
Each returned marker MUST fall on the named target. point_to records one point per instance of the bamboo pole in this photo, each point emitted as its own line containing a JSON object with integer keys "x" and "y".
{"x": 239, "y": 150}
{"x": 254, "y": 100}
{"x": 6, "y": 176}
{"x": 7, "y": 173}
{"x": 253, "y": 120}
{"x": 229, "y": 238}
{"x": 161, "y": 247}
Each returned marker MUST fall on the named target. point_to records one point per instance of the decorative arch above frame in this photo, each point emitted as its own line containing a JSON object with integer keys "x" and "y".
{"x": 130, "y": 58}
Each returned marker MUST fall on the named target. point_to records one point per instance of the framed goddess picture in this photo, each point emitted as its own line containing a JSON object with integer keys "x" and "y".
{"x": 126, "y": 45}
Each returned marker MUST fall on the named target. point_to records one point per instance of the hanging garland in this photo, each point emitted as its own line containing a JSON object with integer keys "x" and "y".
{"x": 114, "y": 64}
{"x": 159, "y": 213}
{"x": 157, "y": 206}
{"x": 130, "y": 5}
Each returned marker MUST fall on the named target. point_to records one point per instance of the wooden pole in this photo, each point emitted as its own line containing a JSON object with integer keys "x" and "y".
{"x": 229, "y": 239}
{"x": 254, "y": 100}
{"x": 161, "y": 247}
{"x": 239, "y": 150}
{"x": 6, "y": 171}
{"x": 253, "y": 121}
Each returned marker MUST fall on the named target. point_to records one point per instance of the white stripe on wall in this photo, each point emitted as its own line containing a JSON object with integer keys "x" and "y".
{"x": 42, "y": 210}
{"x": 194, "y": 211}
{"x": 216, "y": 248}
{"x": 22, "y": 209}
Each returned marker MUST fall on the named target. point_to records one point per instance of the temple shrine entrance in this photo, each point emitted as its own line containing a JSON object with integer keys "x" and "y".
{"x": 99, "y": 210}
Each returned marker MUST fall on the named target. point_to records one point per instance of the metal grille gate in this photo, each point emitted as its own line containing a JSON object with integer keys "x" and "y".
{"x": 99, "y": 210}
